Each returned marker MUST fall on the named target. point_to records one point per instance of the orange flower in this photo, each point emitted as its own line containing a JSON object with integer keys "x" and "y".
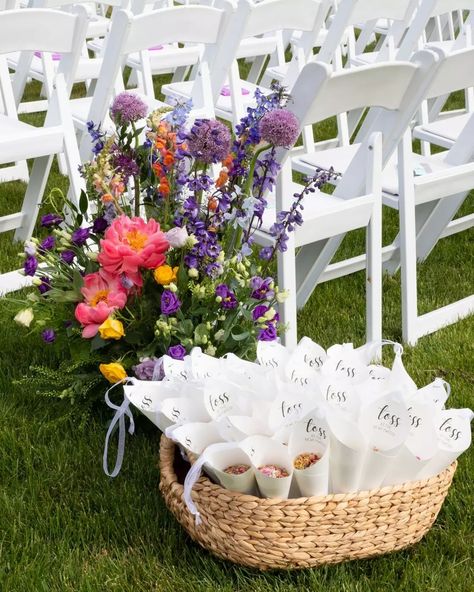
{"x": 158, "y": 169}
{"x": 106, "y": 198}
{"x": 168, "y": 159}
{"x": 228, "y": 161}
{"x": 222, "y": 179}
{"x": 212, "y": 204}
{"x": 164, "y": 186}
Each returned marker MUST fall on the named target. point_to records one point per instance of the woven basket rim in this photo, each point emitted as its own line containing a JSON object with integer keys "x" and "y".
{"x": 167, "y": 453}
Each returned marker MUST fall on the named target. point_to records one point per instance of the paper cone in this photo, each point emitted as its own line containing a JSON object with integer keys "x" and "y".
{"x": 196, "y": 437}
{"x": 221, "y": 459}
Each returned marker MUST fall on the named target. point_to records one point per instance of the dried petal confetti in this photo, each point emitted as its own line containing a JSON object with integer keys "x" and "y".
{"x": 305, "y": 460}
{"x": 273, "y": 471}
{"x": 237, "y": 469}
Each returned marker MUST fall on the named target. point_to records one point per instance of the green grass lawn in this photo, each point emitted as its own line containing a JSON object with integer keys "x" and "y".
{"x": 65, "y": 526}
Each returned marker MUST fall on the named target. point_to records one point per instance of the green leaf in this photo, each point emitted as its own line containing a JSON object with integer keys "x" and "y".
{"x": 98, "y": 343}
{"x": 240, "y": 336}
{"x": 83, "y": 203}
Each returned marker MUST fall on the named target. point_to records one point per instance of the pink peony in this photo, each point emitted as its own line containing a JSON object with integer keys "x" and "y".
{"x": 131, "y": 243}
{"x": 102, "y": 295}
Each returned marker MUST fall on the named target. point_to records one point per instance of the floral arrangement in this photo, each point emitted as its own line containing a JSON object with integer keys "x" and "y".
{"x": 158, "y": 257}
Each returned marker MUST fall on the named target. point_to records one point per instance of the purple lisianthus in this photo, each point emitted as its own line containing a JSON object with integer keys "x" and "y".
{"x": 262, "y": 289}
{"x": 170, "y": 303}
{"x": 259, "y": 311}
{"x": 149, "y": 368}
{"x": 50, "y": 220}
{"x": 47, "y": 244}
{"x": 80, "y": 236}
{"x": 31, "y": 265}
{"x": 45, "y": 285}
{"x": 279, "y": 127}
{"x": 229, "y": 301}
{"x": 99, "y": 225}
{"x": 209, "y": 140}
{"x": 127, "y": 108}
{"x": 48, "y": 335}
{"x": 177, "y": 352}
{"x": 68, "y": 256}
{"x": 268, "y": 334}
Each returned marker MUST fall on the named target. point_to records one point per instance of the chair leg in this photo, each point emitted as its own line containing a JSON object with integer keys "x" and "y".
{"x": 287, "y": 281}
{"x": 33, "y": 196}
{"x": 374, "y": 276}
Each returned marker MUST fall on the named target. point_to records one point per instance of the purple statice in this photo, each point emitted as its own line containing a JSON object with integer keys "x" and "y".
{"x": 45, "y": 285}
{"x": 50, "y": 220}
{"x": 269, "y": 333}
{"x": 229, "y": 301}
{"x": 149, "y": 369}
{"x": 259, "y": 311}
{"x": 99, "y": 225}
{"x": 170, "y": 303}
{"x": 262, "y": 289}
{"x": 280, "y": 128}
{"x": 127, "y": 108}
{"x": 67, "y": 256}
{"x": 48, "y": 335}
{"x": 47, "y": 244}
{"x": 209, "y": 141}
{"x": 30, "y": 266}
{"x": 80, "y": 236}
{"x": 177, "y": 352}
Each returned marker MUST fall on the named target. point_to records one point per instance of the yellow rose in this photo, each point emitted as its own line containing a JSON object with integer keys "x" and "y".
{"x": 111, "y": 329}
{"x": 113, "y": 372}
{"x": 164, "y": 274}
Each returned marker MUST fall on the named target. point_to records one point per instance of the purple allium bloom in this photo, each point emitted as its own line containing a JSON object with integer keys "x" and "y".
{"x": 149, "y": 368}
{"x": 127, "y": 108}
{"x": 279, "y": 127}
{"x": 177, "y": 352}
{"x": 229, "y": 301}
{"x": 48, "y": 335}
{"x": 45, "y": 285}
{"x": 209, "y": 140}
{"x": 68, "y": 256}
{"x": 259, "y": 311}
{"x": 50, "y": 220}
{"x": 262, "y": 288}
{"x": 31, "y": 265}
{"x": 80, "y": 236}
{"x": 100, "y": 225}
{"x": 170, "y": 303}
{"x": 47, "y": 244}
{"x": 268, "y": 334}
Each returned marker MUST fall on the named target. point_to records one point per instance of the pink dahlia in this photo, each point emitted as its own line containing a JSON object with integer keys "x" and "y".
{"x": 102, "y": 295}
{"x": 132, "y": 243}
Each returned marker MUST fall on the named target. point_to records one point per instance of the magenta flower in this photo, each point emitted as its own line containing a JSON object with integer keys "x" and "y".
{"x": 177, "y": 352}
{"x": 80, "y": 236}
{"x": 68, "y": 256}
{"x": 209, "y": 140}
{"x": 279, "y": 128}
{"x": 128, "y": 108}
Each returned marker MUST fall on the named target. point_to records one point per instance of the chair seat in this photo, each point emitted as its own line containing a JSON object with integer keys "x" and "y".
{"x": 257, "y": 46}
{"x": 443, "y": 132}
{"x": 167, "y": 57}
{"x": 324, "y": 216}
{"x": 20, "y": 140}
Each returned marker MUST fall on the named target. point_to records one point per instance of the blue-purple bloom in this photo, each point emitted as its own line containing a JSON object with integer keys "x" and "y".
{"x": 209, "y": 140}
{"x": 127, "y": 108}
{"x": 229, "y": 301}
{"x": 177, "y": 352}
{"x": 262, "y": 289}
{"x": 48, "y": 335}
{"x": 50, "y": 220}
{"x": 259, "y": 311}
{"x": 80, "y": 236}
{"x": 170, "y": 303}
{"x": 30, "y": 266}
{"x": 45, "y": 285}
{"x": 100, "y": 225}
{"x": 267, "y": 334}
{"x": 279, "y": 127}
{"x": 149, "y": 368}
{"x": 47, "y": 244}
{"x": 68, "y": 256}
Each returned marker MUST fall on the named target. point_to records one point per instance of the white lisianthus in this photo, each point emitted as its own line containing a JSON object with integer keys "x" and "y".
{"x": 172, "y": 287}
{"x": 92, "y": 255}
{"x": 219, "y": 335}
{"x": 25, "y": 317}
{"x": 193, "y": 273}
{"x": 30, "y": 248}
{"x": 210, "y": 350}
{"x": 282, "y": 296}
{"x": 270, "y": 314}
{"x": 177, "y": 237}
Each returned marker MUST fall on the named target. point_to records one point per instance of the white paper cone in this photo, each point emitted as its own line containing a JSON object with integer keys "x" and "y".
{"x": 184, "y": 410}
{"x": 195, "y": 437}
{"x": 406, "y": 467}
{"x": 272, "y": 355}
{"x": 176, "y": 369}
{"x": 204, "y": 366}
{"x": 220, "y": 459}
{"x": 341, "y": 395}
{"x": 437, "y": 392}
{"x": 375, "y": 468}
{"x": 345, "y": 363}
{"x": 147, "y": 396}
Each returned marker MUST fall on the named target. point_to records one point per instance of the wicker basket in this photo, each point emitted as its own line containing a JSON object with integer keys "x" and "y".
{"x": 304, "y": 532}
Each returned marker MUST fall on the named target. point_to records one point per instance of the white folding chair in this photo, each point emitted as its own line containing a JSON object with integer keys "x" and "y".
{"x": 26, "y": 31}
{"x": 391, "y": 89}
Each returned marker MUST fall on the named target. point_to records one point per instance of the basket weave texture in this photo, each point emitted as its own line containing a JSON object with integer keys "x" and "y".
{"x": 304, "y": 532}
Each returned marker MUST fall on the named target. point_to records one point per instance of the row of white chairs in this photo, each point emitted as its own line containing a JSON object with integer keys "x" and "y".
{"x": 393, "y": 90}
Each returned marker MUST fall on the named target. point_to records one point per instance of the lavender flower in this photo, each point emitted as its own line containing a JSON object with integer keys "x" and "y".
{"x": 170, "y": 303}
{"x": 50, "y": 220}
{"x": 48, "y": 335}
{"x": 262, "y": 289}
{"x": 279, "y": 127}
{"x": 47, "y": 244}
{"x": 80, "y": 236}
{"x": 127, "y": 108}
{"x": 68, "y": 256}
{"x": 30, "y": 266}
{"x": 149, "y": 368}
{"x": 177, "y": 352}
{"x": 229, "y": 301}
{"x": 209, "y": 140}
{"x": 267, "y": 334}
{"x": 45, "y": 285}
